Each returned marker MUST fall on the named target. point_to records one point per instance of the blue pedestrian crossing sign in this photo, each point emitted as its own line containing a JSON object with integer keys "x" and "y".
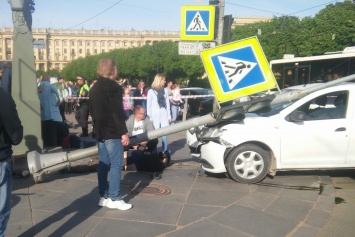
{"x": 197, "y": 22}
{"x": 238, "y": 69}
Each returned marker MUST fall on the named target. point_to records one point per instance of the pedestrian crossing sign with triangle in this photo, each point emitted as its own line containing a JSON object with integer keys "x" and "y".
{"x": 197, "y": 22}
{"x": 238, "y": 69}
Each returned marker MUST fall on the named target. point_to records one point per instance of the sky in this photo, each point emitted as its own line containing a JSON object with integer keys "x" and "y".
{"x": 148, "y": 14}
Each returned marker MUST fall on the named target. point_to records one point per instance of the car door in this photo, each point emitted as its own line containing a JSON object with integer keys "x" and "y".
{"x": 321, "y": 139}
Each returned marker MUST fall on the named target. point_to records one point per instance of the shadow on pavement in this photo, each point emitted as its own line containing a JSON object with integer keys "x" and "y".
{"x": 74, "y": 208}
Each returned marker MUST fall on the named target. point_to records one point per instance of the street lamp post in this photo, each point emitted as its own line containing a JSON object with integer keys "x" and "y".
{"x": 23, "y": 84}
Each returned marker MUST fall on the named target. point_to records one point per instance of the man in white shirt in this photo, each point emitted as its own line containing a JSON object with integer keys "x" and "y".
{"x": 139, "y": 123}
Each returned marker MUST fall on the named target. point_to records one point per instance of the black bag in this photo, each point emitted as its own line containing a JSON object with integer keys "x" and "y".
{"x": 181, "y": 105}
{"x": 146, "y": 162}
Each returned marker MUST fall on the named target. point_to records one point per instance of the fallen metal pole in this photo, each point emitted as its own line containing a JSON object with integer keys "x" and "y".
{"x": 41, "y": 165}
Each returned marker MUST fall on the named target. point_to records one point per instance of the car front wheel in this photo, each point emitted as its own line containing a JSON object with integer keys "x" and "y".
{"x": 248, "y": 163}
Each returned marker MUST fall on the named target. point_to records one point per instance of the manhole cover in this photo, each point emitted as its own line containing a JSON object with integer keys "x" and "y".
{"x": 152, "y": 190}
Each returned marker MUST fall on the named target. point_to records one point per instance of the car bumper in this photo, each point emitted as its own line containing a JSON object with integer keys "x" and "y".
{"x": 212, "y": 157}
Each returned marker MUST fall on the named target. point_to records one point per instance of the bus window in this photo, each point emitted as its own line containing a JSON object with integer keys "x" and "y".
{"x": 322, "y": 68}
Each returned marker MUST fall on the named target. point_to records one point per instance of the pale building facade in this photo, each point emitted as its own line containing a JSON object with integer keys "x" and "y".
{"x": 54, "y": 49}
{"x": 239, "y": 21}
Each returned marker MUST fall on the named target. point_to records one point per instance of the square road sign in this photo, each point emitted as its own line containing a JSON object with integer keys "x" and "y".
{"x": 238, "y": 69}
{"x": 197, "y": 22}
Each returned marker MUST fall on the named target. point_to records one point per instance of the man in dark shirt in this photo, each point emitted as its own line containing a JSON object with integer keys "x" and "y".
{"x": 138, "y": 93}
{"x": 82, "y": 112}
{"x": 11, "y": 133}
{"x": 106, "y": 107}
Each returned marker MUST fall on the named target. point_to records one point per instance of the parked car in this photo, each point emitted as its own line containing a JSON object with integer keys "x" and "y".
{"x": 193, "y": 104}
{"x": 206, "y": 106}
{"x": 313, "y": 132}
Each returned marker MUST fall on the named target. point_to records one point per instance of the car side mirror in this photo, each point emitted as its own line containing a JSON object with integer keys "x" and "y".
{"x": 297, "y": 116}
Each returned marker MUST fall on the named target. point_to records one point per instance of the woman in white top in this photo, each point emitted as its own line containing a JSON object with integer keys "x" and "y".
{"x": 158, "y": 106}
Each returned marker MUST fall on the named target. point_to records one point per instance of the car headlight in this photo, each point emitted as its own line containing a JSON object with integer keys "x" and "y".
{"x": 213, "y": 134}
{"x": 210, "y": 133}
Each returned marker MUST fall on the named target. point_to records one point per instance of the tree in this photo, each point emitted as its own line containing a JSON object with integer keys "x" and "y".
{"x": 142, "y": 64}
{"x": 332, "y": 29}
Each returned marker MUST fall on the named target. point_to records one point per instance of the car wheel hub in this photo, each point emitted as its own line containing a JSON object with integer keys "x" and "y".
{"x": 249, "y": 164}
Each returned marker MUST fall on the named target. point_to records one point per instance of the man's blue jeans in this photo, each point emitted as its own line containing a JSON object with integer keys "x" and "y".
{"x": 5, "y": 193}
{"x": 110, "y": 159}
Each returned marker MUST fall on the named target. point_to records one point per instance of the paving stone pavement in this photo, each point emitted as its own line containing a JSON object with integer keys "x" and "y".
{"x": 185, "y": 202}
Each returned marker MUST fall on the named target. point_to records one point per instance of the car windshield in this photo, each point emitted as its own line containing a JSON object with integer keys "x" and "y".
{"x": 277, "y": 108}
{"x": 207, "y": 92}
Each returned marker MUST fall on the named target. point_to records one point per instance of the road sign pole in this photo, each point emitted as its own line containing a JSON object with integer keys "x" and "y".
{"x": 220, "y": 22}
{"x": 219, "y": 41}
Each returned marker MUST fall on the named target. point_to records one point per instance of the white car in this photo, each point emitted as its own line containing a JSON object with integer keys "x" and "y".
{"x": 314, "y": 132}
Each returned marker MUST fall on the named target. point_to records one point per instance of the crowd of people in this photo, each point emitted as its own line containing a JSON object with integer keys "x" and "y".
{"x": 118, "y": 112}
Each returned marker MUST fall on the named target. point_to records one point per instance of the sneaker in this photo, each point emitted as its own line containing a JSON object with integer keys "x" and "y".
{"x": 103, "y": 202}
{"x": 156, "y": 175}
{"x": 118, "y": 204}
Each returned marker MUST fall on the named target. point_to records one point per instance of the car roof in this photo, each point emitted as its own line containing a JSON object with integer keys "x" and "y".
{"x": 301, "y": 87}
{"x": 194, "y": 88}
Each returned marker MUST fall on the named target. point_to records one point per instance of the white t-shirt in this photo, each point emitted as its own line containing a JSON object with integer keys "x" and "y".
{"x": 137, "y": 128}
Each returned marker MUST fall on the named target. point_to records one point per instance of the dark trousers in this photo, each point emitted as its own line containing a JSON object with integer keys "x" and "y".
{"x": 49, "y": 133}
{"x": 61, "y": 110}
{"x": 82, "y": 115}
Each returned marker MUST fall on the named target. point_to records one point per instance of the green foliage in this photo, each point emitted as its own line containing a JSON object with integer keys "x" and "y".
{"x": 142, "y": 63}
{"x": 332, "y": 29}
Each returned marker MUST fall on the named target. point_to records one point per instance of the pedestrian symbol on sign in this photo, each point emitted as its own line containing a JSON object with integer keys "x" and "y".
{"x": 235, "y": 70}
{"x": 197, "y": 23}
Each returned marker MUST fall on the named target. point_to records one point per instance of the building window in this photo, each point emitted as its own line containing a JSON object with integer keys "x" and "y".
{"x": 110, "y": 43}
{"x": 102, "y": 50}
{"x": 72, "y": 43}
{"x": 65, "y": 43}
{"x": 95, "y": 51}
{"x": 57, "y": 66}
{"x": 57, "y": 42}
{"x": 95, "y": 43}
{"x": 80, "y": 43}
{"x": 49, "y": 57}
{"x": 65, "y": 50}
{"x": 49, "y": 42}
{"x": 87, "y": 43}
{"x": 80, "y": 51}
{"x": 87, "y": 51}
{"x": 73, "y": 57}
{"x": 8, "y": 42}
{"x": 8, "y": 57}
{"x": 103, "y": 43}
